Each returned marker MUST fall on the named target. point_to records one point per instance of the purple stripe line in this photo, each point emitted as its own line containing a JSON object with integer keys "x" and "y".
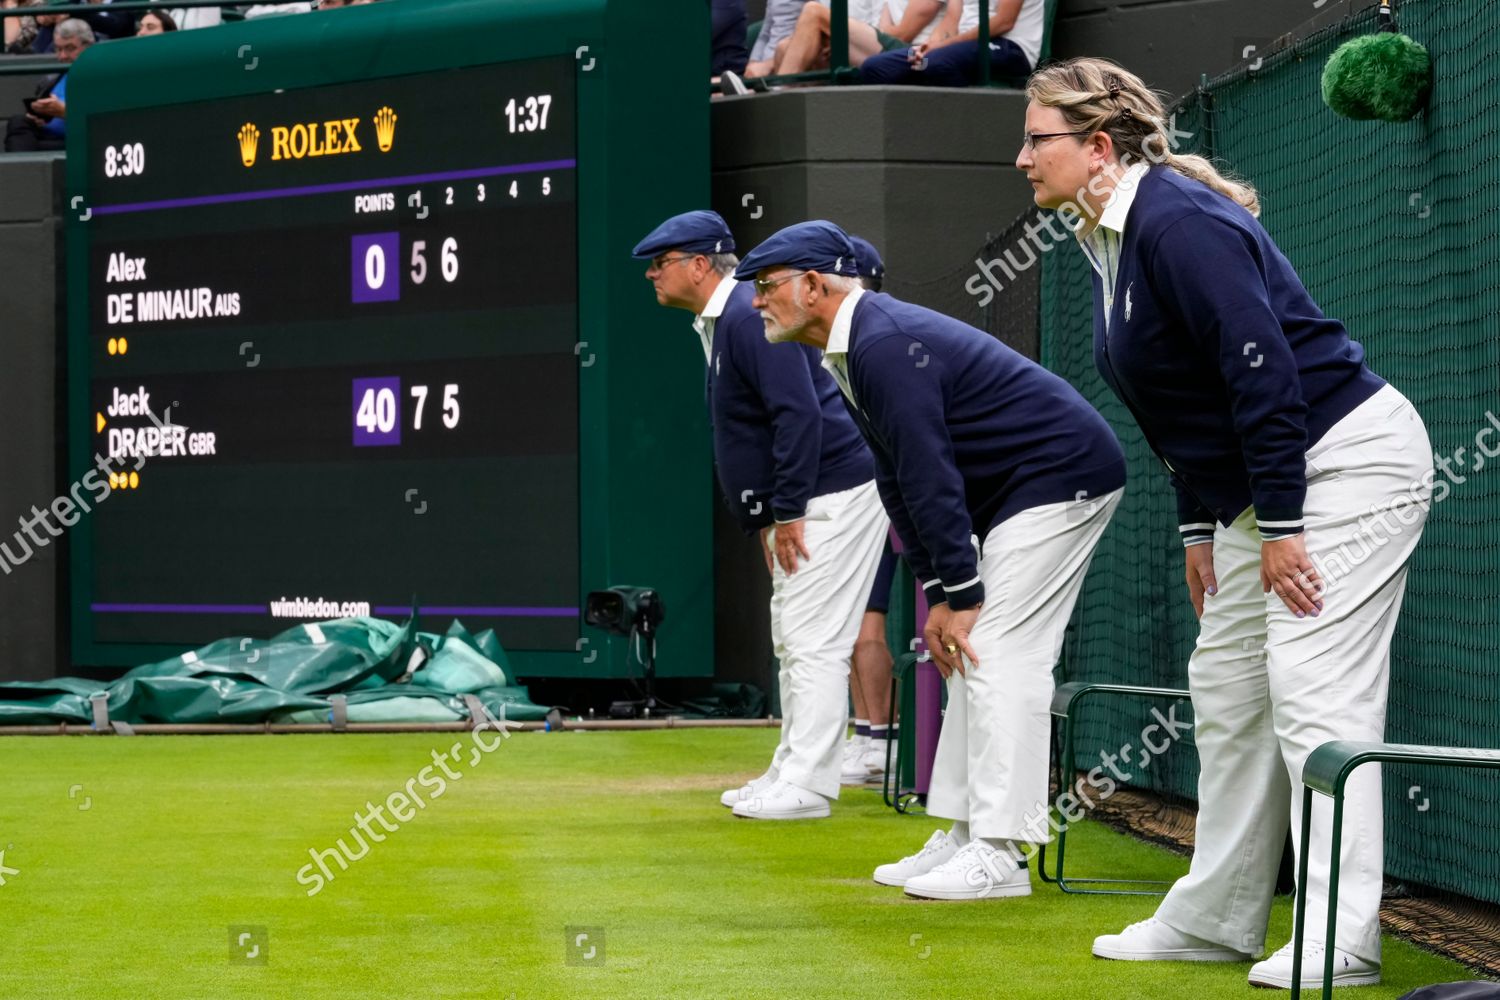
{"x": 181, "y": 609}
{"x": 484, "y": 612}
{"x": 394, "y": 609}
{"x": 293, "y": 192}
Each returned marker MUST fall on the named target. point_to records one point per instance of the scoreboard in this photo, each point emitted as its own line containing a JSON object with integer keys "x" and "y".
{"x": 358, "y": 336}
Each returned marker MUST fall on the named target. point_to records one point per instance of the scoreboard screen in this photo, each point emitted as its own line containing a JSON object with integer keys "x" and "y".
{"x": 354, "y": 329}
{"x": 340, "y": 319}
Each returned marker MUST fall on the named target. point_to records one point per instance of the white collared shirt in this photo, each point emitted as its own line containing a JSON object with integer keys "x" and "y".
{"x": 836, "y": 353}
{"x": 1102, "y": 246}
{"x": 704, "y": 321}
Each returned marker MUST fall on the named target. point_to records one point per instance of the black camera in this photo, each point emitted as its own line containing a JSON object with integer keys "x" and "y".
{"x": 630, "y": 611}
{"x": 623, "y": 610}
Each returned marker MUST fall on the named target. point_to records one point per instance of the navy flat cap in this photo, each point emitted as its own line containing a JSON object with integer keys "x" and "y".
{"x": 867, "y": 257}
{"x": 692, "y": 232}
{"x": 809, "y": 246}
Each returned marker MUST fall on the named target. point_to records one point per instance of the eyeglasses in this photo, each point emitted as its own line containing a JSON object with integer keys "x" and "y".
{"x": 764, "y": 286}
{"x": 1030, "y": 139}
{"x": 660, "y": 263}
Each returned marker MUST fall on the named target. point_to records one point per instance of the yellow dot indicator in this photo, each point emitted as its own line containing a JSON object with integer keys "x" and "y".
{"x": 98, "y": 422}
{"x": 112, "y": 346}
{"x": 135, "y": 480}
{"x": 114, "y": 481}
{"x": 124, "y": 346}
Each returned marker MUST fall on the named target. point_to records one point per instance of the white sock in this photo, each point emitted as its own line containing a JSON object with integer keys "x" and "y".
{"x": 960, "y": 832}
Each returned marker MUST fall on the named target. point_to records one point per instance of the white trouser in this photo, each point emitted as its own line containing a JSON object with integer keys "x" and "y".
{"x": 815, "y": 618}
{"x": 991, "y": 764}
{"x": 1269, "y": 688}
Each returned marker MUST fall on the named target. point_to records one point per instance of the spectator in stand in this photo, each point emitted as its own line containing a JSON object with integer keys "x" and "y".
{"x": 107, "y": 24}
{"x": 775, "y": 30}
{"x": 952, "y": 58}
{"x": 728, "y": 37}
{"x": 35, "y": 38}
{"x": 20, "y": 32}
{"x": 873, "y": 28}
{"x": 41, "y": 128}
{"x": 30, "y": 35}
{"x": 272, "y": 9}
{"x": 196, "y": 17}
{"x": 155, "y": 22}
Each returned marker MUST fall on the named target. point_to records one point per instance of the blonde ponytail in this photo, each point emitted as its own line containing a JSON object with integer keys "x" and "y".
{"x": 1200, "y": 169}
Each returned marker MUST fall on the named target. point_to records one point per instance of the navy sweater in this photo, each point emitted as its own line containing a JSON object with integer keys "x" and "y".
{"x": 966, "y": 432}
{"x": 1228, "y": 365}
{"x": 781, "y": 436}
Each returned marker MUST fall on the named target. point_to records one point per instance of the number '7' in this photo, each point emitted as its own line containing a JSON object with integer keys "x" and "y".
{"x": 450, "y": 405}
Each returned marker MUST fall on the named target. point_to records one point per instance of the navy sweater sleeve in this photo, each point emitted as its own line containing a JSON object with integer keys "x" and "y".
{"x": 784, "y": 375}
{"x": 1212, "y": 274}
{"x": 907, "y": 405}
{"x": 1194, "y": 521}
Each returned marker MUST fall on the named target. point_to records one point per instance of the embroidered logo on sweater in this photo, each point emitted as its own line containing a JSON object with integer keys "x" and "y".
{"x": 1127, "y": 300}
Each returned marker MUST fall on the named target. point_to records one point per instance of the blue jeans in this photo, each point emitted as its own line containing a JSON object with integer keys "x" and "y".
{"x": 950, "y": 66}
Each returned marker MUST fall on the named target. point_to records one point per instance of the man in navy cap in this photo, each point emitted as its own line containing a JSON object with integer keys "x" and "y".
{"x": 867, "y": 261}
{"x": 793, "y": 469}
{"x": 1000, "y": 479}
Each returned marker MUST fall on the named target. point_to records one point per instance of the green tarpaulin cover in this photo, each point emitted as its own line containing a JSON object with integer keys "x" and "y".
{"x": 291, "y": 677}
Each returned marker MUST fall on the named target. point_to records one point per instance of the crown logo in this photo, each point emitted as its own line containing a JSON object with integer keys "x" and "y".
{"x": 249, "y": 137}
{"x": 385, "y": 129}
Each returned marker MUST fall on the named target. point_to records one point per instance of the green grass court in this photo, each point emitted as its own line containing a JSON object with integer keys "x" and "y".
{"x": 183, "y": 837}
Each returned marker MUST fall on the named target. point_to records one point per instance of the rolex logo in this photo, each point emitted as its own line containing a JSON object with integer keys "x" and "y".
{"x": 249, "y": 137}
{"x": 385, "y": 129}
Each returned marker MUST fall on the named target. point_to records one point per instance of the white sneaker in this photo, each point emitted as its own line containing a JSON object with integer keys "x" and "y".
{"x": 851, "y": 769}
{"x": 873, "y": 759}
{"x": 939, "y": 848}
{"x": 751, "y": 789}
{"x": 1276, "y": 971}
{"x": 976, "y": 871}
{"x": 783, "y": 800}
{"x": 1153, "y": 941}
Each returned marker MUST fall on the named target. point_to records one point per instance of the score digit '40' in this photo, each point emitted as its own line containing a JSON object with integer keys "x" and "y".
{"x": 377, "y": 409}
{"x": 376, "y": 265}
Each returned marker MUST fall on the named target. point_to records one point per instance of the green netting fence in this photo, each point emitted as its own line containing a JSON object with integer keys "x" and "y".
{"x": 1396, "y": 230}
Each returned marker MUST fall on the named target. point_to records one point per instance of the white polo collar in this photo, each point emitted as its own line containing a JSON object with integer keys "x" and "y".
{"x": 703, "y": 322}
{"x": 838, "y": 331}
{"x": 1117, "y": 209}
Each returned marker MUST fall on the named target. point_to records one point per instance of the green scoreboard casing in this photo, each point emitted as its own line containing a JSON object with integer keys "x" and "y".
{"x": 353, "y": 327}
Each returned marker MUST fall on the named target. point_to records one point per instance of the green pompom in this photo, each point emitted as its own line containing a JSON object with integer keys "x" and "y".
{"x": 1386, "y": 76}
